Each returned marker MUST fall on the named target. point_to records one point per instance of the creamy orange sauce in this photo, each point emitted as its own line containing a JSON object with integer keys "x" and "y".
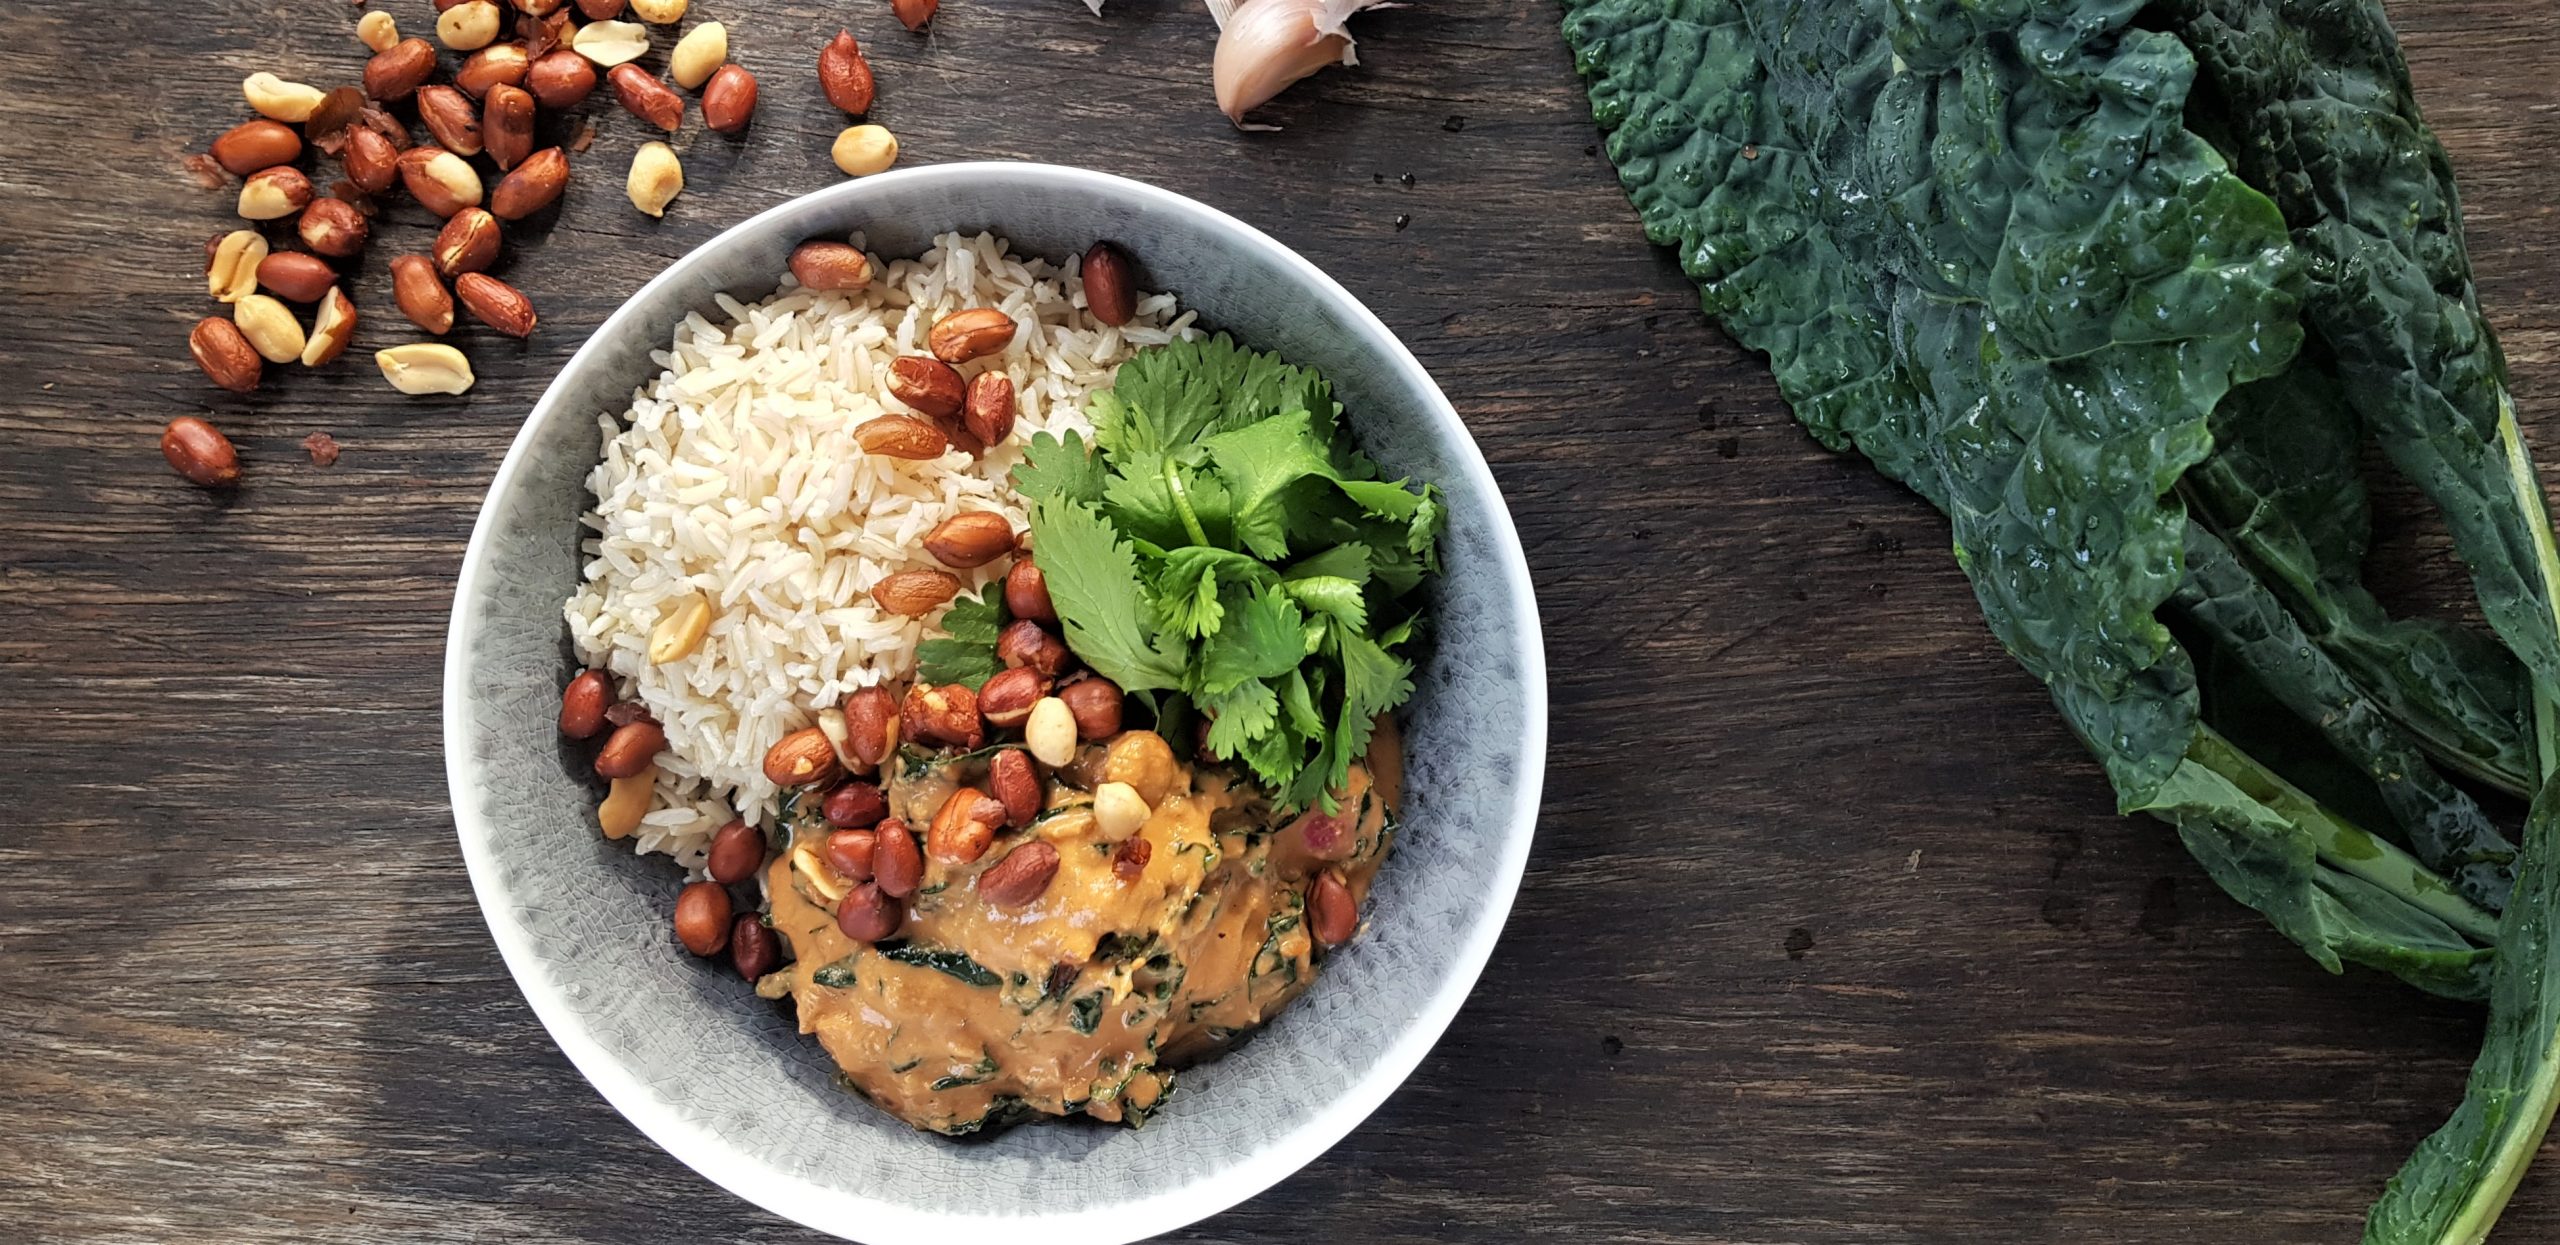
{"x": 1087, "y": 998}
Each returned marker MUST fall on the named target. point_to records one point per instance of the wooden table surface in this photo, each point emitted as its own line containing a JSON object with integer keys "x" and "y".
{"x": 1829, "y": 935}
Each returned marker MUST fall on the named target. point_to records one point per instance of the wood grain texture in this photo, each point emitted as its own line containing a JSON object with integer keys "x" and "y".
{"x": 1869, "y": 960}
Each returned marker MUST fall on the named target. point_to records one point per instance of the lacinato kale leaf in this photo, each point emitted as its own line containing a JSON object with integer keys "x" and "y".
{"x": 1225, "y": 542}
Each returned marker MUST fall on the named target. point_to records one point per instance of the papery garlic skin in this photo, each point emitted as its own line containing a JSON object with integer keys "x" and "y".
{"x": 1264, "y": 45}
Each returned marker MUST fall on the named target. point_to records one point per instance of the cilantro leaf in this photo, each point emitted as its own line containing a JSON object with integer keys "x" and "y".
{"x": 1093, "y": 581}
{"x": 1052, "y": 467}
{"x": 968, "y": 653}
{"x": 1239, "y": 715}
{"x": 1262, "y": 640}
{"x": 1175, "y": 394}
{"x": 1332, "y": 596}
{"x": 1340, "y": 562}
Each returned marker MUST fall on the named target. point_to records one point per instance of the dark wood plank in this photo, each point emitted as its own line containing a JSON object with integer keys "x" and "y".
{"x": 1869, "y": 961}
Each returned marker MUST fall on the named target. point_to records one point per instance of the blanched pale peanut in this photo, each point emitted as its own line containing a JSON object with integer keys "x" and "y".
{"x": 234, "y": 275}
{"x": 626, "y": 804}
{"x": 1118, "y": 811}
{"x": 611, "y": 43}
{"x": 702, "y": 50}
{"x": 270, "y": 327}
{"x": 469, "y": 26}
{"x": 1050, "y": 732}
{"x": 378, "y": 30}
{"x": 658, "y": 12}
{"x": 656, "y": 178}
{"x": 680, "y": 630}
{"x": 863, "y": 150}
{"x": 425, "y": 367}
{"x": 285, "y": 101}
{"x": 1143, "y": 760}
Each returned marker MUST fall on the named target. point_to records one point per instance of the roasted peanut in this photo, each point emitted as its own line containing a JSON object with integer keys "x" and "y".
{"x": 333, "y": 327}
{"x": 1015, "y": 785}
{"x": 467, "y": 243}
{"x": 198, "y": 451}
{"x": 582, "y": 704}
{"x": 532, "y": 185}
{"x": 901, "y": 436}
{"x": 496, "y": 64}
{"x": 1095, "y": 702}
{"x": 279, "y": 100}
{"x": 970, "y": 539}
{"x": 371, "y": 161}
{"x": 729, "y": 100}
{"x": 658, "y": 12}
{"x": 1029, "y": 645}
{"x": 1118, "y": 811}
{"x": 469, "y": 26}
{"x": 656, "y": 178}
{"x": 424, "y": 368}
{"x": 602, "y": 10}
{"x": 611, "y": 43}
{"x": 270, "y": 328}
{"x": 1130, "y": 862}
{"x": 1143, "y": 760}
{"x": 338, "y": 111}
{"x": 1110, "y": 292}
{"x": 1006, "y": 699}
{"x": 844, "y": 75}
{"x": 442, "y": 182}
{"x": 506, "y": 128}
{"x": 914, "y": 593}
{"x": 947, "y": 714}
{"x": 1050, "y": 732}
{"x": 1021, "y": 877}
{"x": 931, "y": 386}
{"x": 737, "y": 851}
{"x": 702, "y": 917}
{"x": 871, "y": 726}
{"x": 495, "y": 303}
{"x": 863, "y": 150}
{"x": 802, "y": 758}
{"x": 253, "y": 145}
{"x": 897, "y": 865}
{"x": 870, "y": 914}
{"x": 913, "y": 14}
{"x": 855, "y": 806}
{"x": 964, "y": 828}
{"x": 420, "y": 294}
{"x": 1322, "y": 835}
{"x": 753, "y": 950}
{"x": 1026, "y": 593}
{"x": 1331, "y": 915}
{"x": 830, "y": 266}
{"x": 848, "y": 852}
{"x": 988, "y": 411}
{"x": 629, "y": 749}
{"x": 626, "y": 803}
{"x": 333, "y": 227}
{"x": 970, "y": 333}
{"x": 378, "y": 30}
{"x": 645, "y": 97}
{"x": 273, "y": 194}
{"x": 700, "y": 53}
{"x": 397, "y": 71}
{"x": 449, "y": 115}
{"x": 226, "y": 357}
{"x": 239, "y": 266}
{"x": 536, "y": 9}
{"x": 679, "y": 631}
{"x": 561, "y": 79}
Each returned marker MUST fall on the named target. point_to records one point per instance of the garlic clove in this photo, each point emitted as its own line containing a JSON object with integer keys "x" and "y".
{"x": 1264, "y": 45}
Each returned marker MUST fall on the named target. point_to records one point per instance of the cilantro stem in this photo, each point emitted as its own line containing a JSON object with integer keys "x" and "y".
{"x": 1182, "y": 503}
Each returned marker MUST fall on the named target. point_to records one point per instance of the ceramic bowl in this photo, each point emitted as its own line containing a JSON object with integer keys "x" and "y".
{"x": 720, "y": 1078}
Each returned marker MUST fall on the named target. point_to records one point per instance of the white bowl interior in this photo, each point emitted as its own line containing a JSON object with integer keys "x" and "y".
{"x": 718, "y": 1077}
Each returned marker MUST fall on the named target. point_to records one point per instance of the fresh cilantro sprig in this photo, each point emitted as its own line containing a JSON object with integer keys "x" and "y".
{"x": 1222, "y": 542}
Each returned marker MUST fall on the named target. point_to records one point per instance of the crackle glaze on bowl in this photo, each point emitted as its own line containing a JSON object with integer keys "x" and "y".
{"x": 719, "y": 1078}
